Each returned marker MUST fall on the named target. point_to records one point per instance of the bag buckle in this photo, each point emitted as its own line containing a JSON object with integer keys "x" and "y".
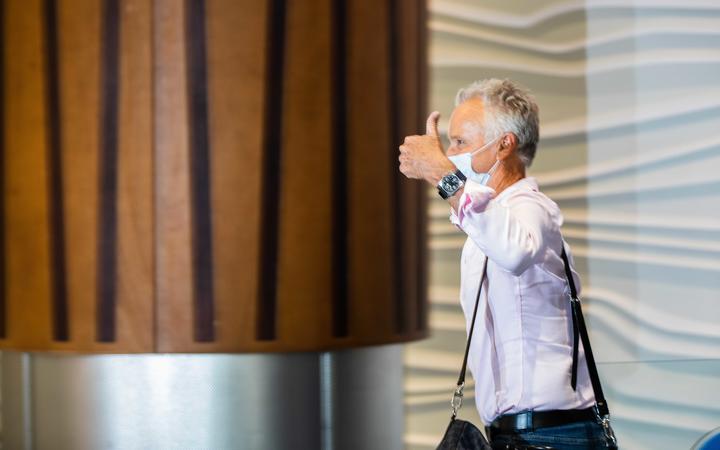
{"x": 457, "y": 399}
{"x": 607, "y": 429}
{"x": 609, "y": 433}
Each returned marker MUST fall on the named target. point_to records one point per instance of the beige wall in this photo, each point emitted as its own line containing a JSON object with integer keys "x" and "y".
{"x": 630, "y": 112}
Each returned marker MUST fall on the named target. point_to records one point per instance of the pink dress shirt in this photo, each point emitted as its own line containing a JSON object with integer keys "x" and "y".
{"x": 521, "y": 356}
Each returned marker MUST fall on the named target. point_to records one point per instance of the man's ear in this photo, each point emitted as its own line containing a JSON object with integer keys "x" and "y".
{"x": 509, "y": 140}
{"x": 508, "y": 144}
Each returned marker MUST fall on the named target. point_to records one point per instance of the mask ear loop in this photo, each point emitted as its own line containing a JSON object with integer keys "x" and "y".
{"x": 484, "y": 147}
{"x": 492, "y": 170}
{"x": 497, "y": 160}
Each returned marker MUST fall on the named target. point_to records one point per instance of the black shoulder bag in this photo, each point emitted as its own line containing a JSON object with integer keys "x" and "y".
{"x": 463, "y": 435}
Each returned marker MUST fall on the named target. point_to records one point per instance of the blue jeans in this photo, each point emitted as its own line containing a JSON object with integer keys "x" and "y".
{"x": 584, "y": 435}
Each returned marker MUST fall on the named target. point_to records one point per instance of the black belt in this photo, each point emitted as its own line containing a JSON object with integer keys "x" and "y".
{"x": 530, "y": 420}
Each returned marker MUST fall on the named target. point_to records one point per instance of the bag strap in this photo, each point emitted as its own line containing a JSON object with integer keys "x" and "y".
{"x": 580, "y": 329}
{"x": 456, "y": 401}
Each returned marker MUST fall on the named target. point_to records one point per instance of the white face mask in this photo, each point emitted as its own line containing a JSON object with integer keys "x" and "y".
{"x": 463, "y": 162}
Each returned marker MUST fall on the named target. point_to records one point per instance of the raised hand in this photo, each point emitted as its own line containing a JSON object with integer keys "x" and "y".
{"x": 423, "y": 157}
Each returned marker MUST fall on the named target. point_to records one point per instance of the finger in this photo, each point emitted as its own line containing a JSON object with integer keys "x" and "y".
{"x": 431, "y": 128}
{"x": 404, "y": 169}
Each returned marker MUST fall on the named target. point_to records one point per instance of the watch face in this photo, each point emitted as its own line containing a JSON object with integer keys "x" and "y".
{"x": 450, "y": 183}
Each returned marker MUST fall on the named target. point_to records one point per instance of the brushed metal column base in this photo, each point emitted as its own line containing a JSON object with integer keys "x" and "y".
{"x": 345, "y": 400}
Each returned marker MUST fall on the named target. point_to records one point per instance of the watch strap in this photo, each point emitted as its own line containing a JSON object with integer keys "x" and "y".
{"x": 458, "y": 173}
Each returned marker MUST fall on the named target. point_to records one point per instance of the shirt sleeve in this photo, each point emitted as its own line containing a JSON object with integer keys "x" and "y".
{"x": 475, "y": 198}
{"x": 511, "y": 233}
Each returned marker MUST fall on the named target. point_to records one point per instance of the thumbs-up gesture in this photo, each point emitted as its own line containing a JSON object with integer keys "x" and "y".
{"x": 423, "y": 157}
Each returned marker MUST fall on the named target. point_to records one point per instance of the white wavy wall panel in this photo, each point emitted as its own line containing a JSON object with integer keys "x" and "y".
{"x": 630, "y": 150}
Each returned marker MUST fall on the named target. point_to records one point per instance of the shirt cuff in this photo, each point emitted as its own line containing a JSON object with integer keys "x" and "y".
{"x": 474, "y": 199}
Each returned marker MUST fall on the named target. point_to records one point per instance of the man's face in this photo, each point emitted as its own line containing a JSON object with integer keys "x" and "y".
{"x": 465, "y": 133}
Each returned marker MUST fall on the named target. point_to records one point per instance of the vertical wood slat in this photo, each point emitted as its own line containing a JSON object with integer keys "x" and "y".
{"x": 202, "y": 243}
{"x": 421, "y": 108}
{"x": 26, "y": 184}
{"x": 79, "y": 94}
{"x": 339, "y": 140}
{"x": 396, "y": 56}
{"x": 271, "y": 170}
{"x": 135, "y": 262}
{"x": 173, "y": 240}
{"x": 307, "y": 179}
{"x": 370, "y": 222}
{"x": 3, "y": 282}
{"x": 108, "y": 152}
{"x": 236, "y": 51}
{"x": 410, "y": 62}
{"x": 58, "y": 255}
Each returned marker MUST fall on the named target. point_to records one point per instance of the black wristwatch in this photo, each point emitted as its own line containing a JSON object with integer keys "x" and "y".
{"x": 451, "y": 183}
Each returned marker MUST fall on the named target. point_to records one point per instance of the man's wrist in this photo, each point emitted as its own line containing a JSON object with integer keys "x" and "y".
{"x": 439, "y": 172}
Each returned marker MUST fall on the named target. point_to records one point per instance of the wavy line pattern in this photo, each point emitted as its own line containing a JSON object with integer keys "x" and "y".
{"x": 649, "y": 59}
{"x": 454, "y": 31}
{"x": 676, "y": 153}
{"x": 640, "y": 195}
{"x": 482, "y": 16}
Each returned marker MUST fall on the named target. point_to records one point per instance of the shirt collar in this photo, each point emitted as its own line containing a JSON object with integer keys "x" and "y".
{"x": 527, "y": 183}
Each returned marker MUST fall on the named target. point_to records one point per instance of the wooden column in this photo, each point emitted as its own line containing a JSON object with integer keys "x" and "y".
{"x": 210, "y": 175}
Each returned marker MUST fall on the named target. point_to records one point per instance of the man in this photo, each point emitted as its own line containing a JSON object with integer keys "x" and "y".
{"x": 521, "y": 350}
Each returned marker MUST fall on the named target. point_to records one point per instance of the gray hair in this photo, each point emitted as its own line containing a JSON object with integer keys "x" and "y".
{"x": 513, "y": 109}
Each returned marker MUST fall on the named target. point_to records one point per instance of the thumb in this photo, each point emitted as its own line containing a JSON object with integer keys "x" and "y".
{"x": 431, "y": 128}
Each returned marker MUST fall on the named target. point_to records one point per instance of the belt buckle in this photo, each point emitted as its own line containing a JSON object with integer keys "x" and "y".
{"x": 524, "y": 421}
{"x": 521, "y": 421}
